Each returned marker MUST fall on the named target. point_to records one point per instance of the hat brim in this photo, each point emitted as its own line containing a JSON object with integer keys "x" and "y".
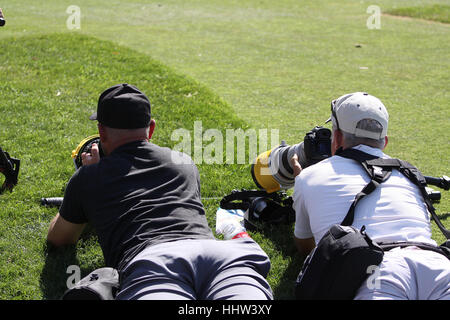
{"x": 93, "y": 116}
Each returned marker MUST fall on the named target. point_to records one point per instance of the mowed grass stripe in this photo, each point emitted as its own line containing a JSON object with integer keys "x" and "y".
{"x": 437, "y": 12}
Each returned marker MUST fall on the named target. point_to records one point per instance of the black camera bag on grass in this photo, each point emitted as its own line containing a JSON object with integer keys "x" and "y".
{"x": 341, "y": 262}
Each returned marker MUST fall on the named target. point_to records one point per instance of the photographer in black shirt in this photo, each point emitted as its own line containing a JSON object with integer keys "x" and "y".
{"x": 144, "y": 204}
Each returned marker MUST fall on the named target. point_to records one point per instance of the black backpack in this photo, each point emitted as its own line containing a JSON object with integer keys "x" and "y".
{"x": 344, "y": 257}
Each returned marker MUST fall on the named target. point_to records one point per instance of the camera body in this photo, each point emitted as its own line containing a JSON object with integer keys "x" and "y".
{"x": 272, "y": 170}
{"x": 317, "y": 146}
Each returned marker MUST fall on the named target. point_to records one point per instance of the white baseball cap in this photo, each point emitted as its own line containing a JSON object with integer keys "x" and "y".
{"x": 348, "y": 110}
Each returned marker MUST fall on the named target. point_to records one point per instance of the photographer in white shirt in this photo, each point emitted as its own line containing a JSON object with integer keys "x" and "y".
{"x": 395, "y": 211}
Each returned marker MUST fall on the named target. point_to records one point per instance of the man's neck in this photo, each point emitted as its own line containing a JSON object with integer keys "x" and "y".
{"x": 123, "y": 141}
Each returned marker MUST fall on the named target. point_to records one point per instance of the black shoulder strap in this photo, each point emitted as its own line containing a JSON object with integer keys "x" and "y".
{"x": 377, "y": 175}
{"x": 418, "y": 179}
{"x": 443, "y": 249}
{"x": 379, "y": 170}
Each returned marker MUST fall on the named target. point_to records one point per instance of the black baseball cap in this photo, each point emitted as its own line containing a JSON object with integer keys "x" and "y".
{"x": 123, "y": 106}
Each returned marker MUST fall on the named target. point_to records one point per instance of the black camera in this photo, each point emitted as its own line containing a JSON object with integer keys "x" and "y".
{"x": 317, "y": 146}
{"x": 10, "y": 168}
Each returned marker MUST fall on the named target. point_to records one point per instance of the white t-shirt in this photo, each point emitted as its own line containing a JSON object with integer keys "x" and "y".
{"x": 323, "y": 193}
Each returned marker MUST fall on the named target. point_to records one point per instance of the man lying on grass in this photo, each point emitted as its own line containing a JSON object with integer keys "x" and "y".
{"x": 395, "y": 212}
{"x": 144, "y": 204}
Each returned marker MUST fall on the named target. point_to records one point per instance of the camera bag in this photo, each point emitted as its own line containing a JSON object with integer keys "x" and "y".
{"x": 338, "y": 266}
{"x": 260, "y": 207}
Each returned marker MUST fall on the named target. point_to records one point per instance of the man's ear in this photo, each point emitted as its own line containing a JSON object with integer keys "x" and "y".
{"x": 102, "y": 132}
{"x": 337, "y": 141}
{"x": 151, "y": 128}
{"x": 385, "y": 142}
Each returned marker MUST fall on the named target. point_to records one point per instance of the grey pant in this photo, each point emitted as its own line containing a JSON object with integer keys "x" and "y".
{"x": 198, "y": 269}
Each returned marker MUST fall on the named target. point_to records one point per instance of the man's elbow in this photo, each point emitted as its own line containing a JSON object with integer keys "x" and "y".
{"x": 61, "y": 233}
{"x": 304, "y": 246}
{"x": 58, "y": 240}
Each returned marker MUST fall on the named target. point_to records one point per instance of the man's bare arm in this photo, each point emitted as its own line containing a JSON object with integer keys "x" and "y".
{"x": 62, "y": 232}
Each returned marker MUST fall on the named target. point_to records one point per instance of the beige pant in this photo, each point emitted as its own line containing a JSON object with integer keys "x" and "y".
{"x": 408, "y": 274}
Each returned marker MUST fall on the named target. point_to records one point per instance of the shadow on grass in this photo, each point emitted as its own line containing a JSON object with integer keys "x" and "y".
{"x": 56, "y": 272}
{"x": 443, "y": 216}
{"x": 285, "y": 245}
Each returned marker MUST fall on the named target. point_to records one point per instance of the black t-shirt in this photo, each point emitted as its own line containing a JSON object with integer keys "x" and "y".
{"x": 139, "y": 195}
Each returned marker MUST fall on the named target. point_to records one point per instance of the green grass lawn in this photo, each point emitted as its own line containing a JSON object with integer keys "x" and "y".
{"x": 440, "y": 13}
{"x": 261, "y": 64}
{"x": 51, "y": 87}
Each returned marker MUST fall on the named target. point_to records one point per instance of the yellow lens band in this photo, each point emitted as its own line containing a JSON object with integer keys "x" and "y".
{"x": 81, "y": 145}
{"x": 263, "y": 175}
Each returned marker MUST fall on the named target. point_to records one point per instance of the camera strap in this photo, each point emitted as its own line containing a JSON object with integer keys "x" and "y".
{"x": 379, "y": 170}
{"x": 241, "y": 199}
{"x": 245, "y": 197}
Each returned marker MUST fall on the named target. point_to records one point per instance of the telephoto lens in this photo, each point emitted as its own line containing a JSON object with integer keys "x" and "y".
{"x": 279, "y": 167}
{"x": 272, "y": 169}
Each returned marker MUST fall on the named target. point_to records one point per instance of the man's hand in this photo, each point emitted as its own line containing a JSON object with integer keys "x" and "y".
{"x": 91, "y": 158}
{"x": 296, "y": 165}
